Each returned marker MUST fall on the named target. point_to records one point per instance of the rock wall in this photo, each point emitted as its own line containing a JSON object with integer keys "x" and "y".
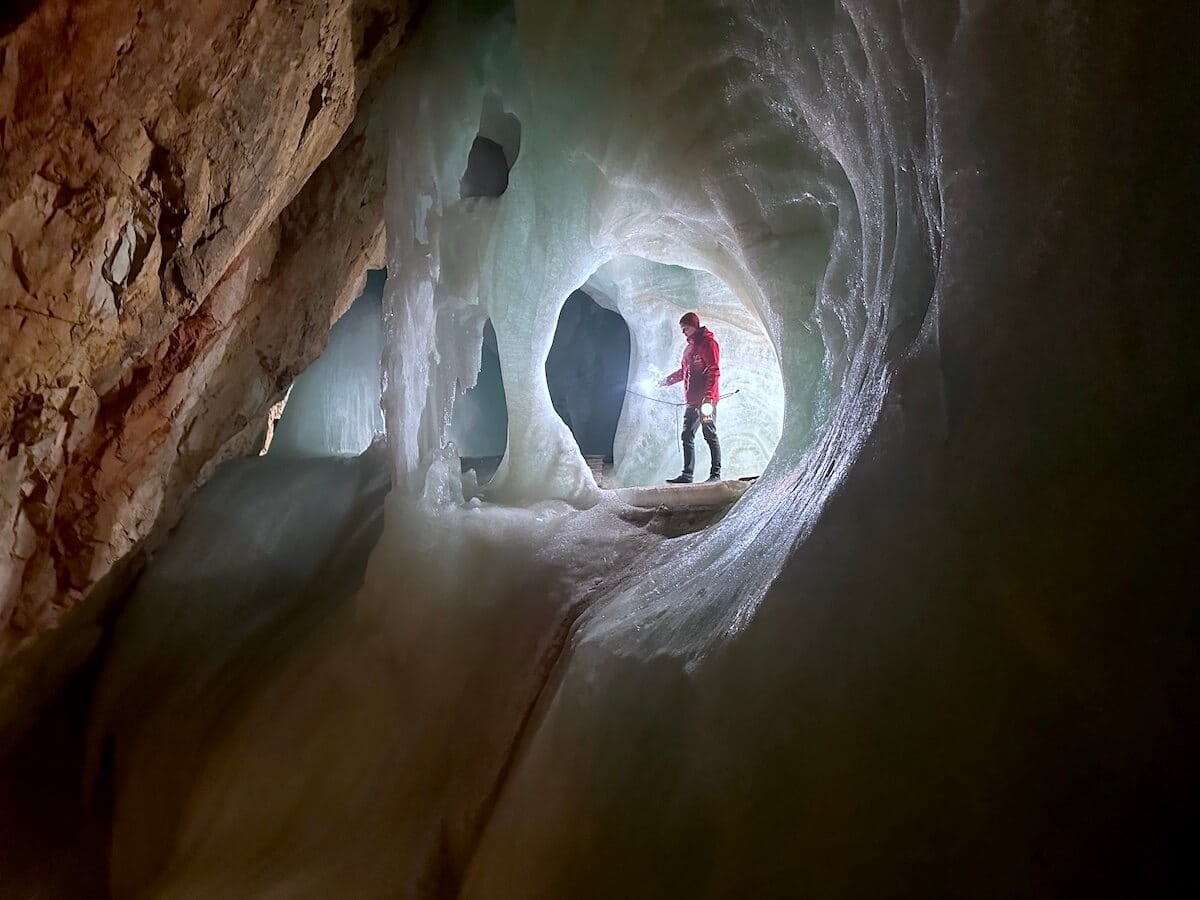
{"x": 167, "y": 171}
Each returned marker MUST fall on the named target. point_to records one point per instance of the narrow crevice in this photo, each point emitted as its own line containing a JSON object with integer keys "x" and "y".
{"x": 316, "y": 103}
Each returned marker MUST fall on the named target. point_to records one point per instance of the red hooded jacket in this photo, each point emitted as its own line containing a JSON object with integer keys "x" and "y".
{"x": 700, "y": 371}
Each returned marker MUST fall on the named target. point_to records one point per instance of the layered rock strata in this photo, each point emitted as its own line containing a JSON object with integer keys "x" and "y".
{"x": 167, "y": 170}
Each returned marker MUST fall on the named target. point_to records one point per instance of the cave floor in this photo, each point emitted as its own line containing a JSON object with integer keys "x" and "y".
{"x": 265, "y": 562}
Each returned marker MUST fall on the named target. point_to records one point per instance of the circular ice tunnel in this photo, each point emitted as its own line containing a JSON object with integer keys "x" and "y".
{"x": 748, "y": 224}
{"x": 651, "y": 297}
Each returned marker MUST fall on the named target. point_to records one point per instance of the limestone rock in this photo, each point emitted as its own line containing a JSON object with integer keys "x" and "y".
{"x": 166, "y": 171}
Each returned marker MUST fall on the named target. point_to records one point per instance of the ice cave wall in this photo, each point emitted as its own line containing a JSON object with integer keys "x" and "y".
{"x": 960, "y": 578}
{"x": 184, "y": 207}
{"x": 587, "y": 165}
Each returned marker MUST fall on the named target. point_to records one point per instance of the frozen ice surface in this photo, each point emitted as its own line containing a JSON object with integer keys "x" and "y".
{"x": 269, "y": 724}
{"x": 717, "y": 493}
{"x": 269, "y": 555}
{"x": 333, "y": 406}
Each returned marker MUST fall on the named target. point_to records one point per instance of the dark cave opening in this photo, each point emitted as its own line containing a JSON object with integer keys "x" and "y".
{"x": 493, "y": 153}
{"x": 587, "y": 373}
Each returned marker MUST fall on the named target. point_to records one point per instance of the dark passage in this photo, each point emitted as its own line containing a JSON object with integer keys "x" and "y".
{"x": 493, "y": 153}
{"x": 487, "y": 170}
{"x": 587, "y": 372}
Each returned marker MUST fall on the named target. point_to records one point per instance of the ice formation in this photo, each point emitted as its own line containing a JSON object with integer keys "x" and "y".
{"x": 262, "y": 732}
{"x": 265, "y": 558}
{"x": 868, "y": 678}
{"x": 586, "y": 188}
{"x": 629, "y": 174}
{"x": 333, "y": 407}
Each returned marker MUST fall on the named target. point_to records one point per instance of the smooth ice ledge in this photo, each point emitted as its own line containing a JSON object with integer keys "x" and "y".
{"x": 683, "y": 496}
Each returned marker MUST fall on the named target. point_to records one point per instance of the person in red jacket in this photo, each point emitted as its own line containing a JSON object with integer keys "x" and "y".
{"x": 700, "y": 373}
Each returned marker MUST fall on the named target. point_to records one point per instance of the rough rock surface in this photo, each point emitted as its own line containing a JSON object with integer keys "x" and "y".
{"x": 166, "y": 170}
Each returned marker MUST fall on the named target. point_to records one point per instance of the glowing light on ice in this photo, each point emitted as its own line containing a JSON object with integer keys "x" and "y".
{"x": 578, "y": 211}
{"x": 332, "y": 408}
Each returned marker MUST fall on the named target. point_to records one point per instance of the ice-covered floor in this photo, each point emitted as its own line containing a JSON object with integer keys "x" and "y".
{"x": 255, "y": 708}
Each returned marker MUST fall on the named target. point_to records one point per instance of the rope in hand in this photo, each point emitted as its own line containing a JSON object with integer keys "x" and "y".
{"x": 672, "y": 402}
{"x": 676, "y": 405}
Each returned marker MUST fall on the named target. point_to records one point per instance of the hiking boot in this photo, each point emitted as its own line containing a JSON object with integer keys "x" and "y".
{"x": 713, "y": 478}
{"x": 681, "y": 479}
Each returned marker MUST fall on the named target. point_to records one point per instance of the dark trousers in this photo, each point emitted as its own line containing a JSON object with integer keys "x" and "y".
{"x": 692, "y": 418}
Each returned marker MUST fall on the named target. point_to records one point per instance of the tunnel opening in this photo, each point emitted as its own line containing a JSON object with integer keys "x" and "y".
{"x": 493, "y": 152}
{"x": 479, "y": 423}
{"x": 651, "y": 298}
{"x": 587, "y": 373}
{"x": 333, "y": 407}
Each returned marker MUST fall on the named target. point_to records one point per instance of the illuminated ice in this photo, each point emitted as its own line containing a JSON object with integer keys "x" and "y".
{"x": 651, "y": 297}
{"x": 333, "y": 406}
{"x": 584, "y": 192}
